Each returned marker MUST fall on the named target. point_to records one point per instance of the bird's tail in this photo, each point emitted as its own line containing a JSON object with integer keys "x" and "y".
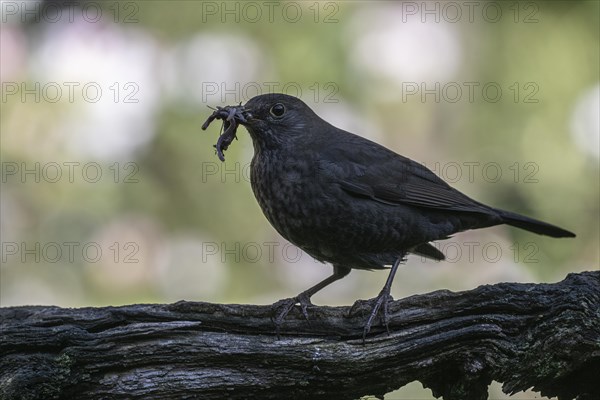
{"x": 533, "y": 225}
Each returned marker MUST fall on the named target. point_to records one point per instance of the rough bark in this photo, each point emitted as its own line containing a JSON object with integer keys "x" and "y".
{"x": 545, "y": 336}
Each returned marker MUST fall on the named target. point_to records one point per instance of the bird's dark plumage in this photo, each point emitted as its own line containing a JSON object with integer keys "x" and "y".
{"x": 349, "y": 201}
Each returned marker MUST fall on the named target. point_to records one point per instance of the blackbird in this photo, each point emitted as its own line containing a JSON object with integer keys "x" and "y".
{"x": 348, "y": 201}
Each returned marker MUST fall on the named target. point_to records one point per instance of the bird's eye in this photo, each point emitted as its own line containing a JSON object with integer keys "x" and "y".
{"x": 277, "y": 110}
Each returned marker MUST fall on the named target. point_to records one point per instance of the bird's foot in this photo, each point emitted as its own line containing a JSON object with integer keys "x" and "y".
{"x": 283, "y": 307}
{"x": 379, "y": 306}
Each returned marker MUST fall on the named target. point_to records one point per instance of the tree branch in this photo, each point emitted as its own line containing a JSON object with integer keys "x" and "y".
{"x": 545, "y": 336}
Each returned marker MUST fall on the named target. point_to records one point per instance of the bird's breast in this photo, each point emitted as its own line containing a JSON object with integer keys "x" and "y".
{"x": 281, "y": 189}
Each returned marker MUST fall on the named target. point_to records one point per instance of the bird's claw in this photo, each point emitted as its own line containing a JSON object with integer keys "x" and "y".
{"x": 283, "y": 307}
{"x": 379, "y": 306}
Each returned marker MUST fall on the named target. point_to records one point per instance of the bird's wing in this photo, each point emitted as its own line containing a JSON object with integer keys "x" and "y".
{"x": 366, "y": 169}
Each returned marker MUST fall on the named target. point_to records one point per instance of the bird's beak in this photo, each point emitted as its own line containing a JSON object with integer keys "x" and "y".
{"x": 244, "y": 116}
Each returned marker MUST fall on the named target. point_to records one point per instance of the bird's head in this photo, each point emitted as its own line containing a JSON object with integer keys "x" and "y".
{"x": 273, "y": 119}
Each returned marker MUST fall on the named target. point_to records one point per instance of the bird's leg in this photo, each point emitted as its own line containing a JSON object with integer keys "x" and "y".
{"x": 382, "y": 299}
{"x": 283, "y": 307}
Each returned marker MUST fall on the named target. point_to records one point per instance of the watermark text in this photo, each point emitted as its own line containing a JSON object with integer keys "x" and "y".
{"x": 69, "y": 252}
{"x": 69, "y": 172}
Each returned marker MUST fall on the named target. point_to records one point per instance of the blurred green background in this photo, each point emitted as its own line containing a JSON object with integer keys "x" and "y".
{"x": 111, "y": 193}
